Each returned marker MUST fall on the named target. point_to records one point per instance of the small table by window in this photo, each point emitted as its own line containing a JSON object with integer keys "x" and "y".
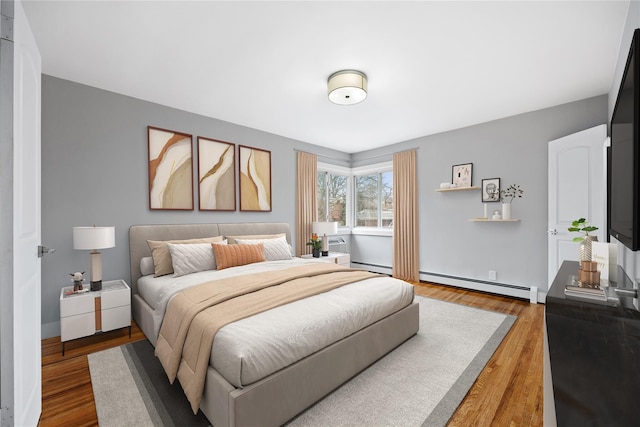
{"x": 334, "y": 257}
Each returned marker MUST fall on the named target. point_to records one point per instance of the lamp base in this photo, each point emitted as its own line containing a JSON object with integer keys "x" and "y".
{"x": 96, "y": 286}
{"x": 325, "y": 253}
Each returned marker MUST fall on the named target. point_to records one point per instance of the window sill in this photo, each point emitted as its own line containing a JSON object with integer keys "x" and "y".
{"x": 372, "y": 231}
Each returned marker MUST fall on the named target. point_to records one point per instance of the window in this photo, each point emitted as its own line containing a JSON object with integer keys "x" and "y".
{"x": 360, "y": 197}
{"x": 374, "y": 200}
{"x": 332, "y": 197}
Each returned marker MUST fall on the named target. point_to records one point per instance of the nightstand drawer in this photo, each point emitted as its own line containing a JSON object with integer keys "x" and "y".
{"x": 115, "y": 318}
{"x": 117, "y": 298}
{"x": 77, "y": 326}
{"x": 78, "y": 304}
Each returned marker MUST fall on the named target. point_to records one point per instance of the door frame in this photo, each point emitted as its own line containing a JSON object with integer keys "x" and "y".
{"x": 6, "y": 213}
{"x": 598, "y": 199}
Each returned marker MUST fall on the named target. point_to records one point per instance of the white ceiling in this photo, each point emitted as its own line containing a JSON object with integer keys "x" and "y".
{"x": 432, "y": 66}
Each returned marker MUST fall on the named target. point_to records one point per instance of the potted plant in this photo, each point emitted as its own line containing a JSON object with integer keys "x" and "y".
{"x": 316, "y": 246}
{"x": 582, "y": 226}
{"x": 506, "y": 197}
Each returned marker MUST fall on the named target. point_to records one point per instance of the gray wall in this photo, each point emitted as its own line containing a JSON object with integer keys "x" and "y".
{"x": 513, "y": 149}
{"x": 94, "y": 171}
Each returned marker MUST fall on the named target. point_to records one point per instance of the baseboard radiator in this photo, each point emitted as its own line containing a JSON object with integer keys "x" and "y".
{"x": 517, "y": 291}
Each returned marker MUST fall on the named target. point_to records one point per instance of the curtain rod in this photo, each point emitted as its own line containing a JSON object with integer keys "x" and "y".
{"x": 323, "y": 155}
{"x": 361, "y": 159}
{"x": 384, "y": 155}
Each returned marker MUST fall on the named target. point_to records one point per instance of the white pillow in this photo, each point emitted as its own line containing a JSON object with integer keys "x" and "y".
{"x": 146, "y": 266}
{"x": 274, "y": 249}
{"x": 192, "y": 258}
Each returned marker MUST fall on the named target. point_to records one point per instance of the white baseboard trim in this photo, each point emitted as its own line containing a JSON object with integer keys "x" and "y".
{"x": 533, "y": 293}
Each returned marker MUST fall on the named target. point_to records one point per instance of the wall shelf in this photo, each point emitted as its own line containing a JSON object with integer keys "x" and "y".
{"x": 493, "y": 220}
{"x": 457, "y": 189}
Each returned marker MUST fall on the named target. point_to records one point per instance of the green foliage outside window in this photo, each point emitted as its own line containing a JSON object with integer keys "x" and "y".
{"x": 332, "y": 198}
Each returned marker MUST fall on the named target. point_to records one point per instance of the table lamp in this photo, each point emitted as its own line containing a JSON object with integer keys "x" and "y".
{"x": 94, "y": 238}
{"x": 324, "y": 228}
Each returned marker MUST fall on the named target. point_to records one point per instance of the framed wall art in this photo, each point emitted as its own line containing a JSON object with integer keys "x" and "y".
{"x": 170, "y": 169}
{"x": 461, "y": 175}
{"x": 255, "y": 179}
{"x": 491, "y": 190}
{"x": 216, "y": 175}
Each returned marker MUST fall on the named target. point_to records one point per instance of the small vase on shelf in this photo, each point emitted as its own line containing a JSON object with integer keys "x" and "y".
{"x": 506, "y": 211}
{"x": 507, "y": 196}
{"x": 584, "y": 249}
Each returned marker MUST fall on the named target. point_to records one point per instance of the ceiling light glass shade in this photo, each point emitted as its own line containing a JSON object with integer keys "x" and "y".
{"x": 347, "y": 87}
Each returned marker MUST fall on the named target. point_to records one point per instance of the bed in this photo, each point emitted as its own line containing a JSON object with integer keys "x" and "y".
{"x": 237, "y": 393}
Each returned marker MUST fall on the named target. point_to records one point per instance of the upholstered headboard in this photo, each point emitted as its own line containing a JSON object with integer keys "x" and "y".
{"x": 139, "y": 234}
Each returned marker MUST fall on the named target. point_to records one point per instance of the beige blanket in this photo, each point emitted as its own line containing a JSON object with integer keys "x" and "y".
{"x": 195, "y": 315}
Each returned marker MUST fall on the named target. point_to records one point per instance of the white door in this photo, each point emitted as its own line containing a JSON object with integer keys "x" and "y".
{"x": 577, "y": 189}
{"x": 26, "y": 219}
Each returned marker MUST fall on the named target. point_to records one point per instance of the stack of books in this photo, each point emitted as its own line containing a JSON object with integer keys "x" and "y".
{"x": 593, "y": 293}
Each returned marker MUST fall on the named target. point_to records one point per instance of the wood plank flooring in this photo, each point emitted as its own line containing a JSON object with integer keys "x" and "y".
{"x": 508, "y": 391}
{"x": 67, "y": 395}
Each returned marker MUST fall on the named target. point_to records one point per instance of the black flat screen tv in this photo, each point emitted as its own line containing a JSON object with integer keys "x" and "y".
{"x": 624, "y": 172}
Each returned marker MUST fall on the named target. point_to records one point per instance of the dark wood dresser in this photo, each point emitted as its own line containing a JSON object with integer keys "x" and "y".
{"x": 594, "y": 351}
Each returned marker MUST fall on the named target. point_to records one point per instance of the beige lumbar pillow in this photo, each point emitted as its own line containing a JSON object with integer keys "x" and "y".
{"x": 162, "y": 258}
{"x": 233, "y": 239}
{"x": 274, "y": 249}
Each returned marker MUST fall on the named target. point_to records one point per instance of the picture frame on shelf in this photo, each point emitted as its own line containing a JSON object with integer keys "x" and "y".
{"x": 490, "y": 190}
{"x": 462, "y": 175}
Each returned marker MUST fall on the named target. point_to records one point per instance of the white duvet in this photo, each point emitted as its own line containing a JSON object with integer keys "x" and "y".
{"x": 250, "y": 349}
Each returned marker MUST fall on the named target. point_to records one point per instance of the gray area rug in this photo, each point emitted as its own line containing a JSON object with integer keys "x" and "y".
{"x": 421, "y": 383}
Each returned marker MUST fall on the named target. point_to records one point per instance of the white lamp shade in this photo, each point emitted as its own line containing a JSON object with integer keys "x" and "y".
{"x": 90, "y": 238}
{"x": 321, "y": 228}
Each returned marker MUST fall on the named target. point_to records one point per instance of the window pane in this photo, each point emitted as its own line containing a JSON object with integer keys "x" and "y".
{"x": 366, "y": 200}
{"x": 322, "y": 196}
{"x": 337, "y": 195}
{"x": 387, "y": 199}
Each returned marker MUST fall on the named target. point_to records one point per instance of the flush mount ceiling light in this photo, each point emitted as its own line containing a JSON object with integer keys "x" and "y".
{"x": 347, "y": 87}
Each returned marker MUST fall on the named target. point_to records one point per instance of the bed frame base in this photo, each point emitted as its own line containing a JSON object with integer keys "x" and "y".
{"x": 286, "y": 393}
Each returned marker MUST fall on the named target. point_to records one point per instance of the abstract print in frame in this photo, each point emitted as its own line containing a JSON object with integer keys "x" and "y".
{"x": 255, "y": 179}
{"x": 170, "y": 170}
{"x": 216, "y": 175}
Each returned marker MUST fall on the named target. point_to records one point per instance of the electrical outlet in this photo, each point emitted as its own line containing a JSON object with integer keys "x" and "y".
{"x": 493, "y": 275}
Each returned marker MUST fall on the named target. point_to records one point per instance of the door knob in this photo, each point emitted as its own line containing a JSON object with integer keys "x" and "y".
{"x": 552, "y": 231}
{"x": 44, "y": 250}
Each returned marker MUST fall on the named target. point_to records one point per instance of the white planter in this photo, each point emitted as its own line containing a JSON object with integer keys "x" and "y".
{"x": 506, "y": 211}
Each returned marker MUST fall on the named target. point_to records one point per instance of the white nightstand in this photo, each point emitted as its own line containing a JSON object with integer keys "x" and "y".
{"x": 87, "y": 313}
{"x": 335, "y": 257}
